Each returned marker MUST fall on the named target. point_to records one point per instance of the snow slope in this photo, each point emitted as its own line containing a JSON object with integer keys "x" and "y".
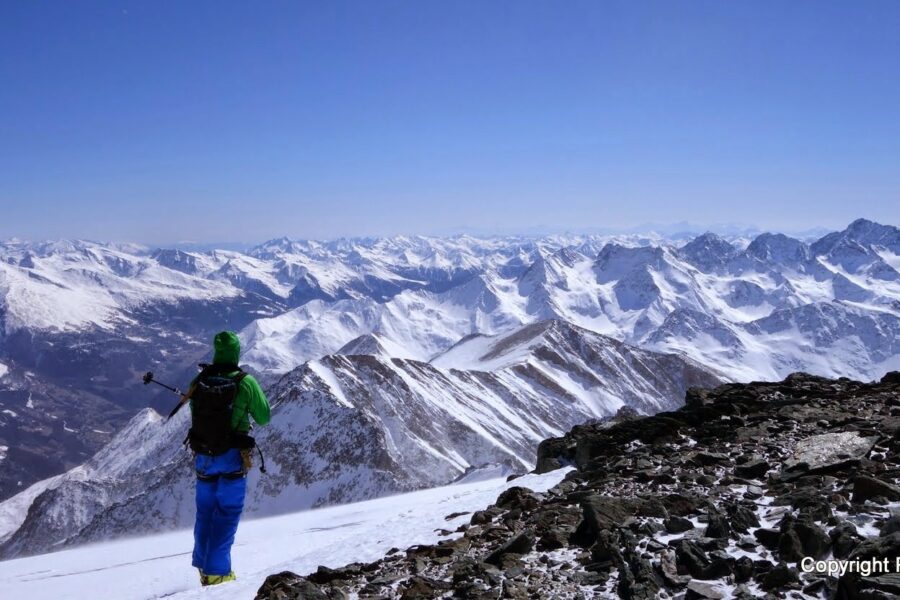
{"x": 157, "y": 566}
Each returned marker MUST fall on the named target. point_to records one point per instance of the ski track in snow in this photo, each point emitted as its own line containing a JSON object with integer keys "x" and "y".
{"x": 159, "y": 566}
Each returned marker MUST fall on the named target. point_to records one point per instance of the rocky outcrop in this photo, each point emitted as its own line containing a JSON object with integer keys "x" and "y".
{"x": 722, "y": 498}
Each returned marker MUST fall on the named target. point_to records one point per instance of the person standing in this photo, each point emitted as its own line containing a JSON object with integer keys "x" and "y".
{"x": 223, "y": 399}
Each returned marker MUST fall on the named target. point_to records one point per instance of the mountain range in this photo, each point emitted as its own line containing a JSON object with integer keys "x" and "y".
{"x": 442, "y": 354}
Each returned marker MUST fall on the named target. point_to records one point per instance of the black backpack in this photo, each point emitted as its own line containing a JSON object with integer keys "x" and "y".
{"x": 212, "y": 404}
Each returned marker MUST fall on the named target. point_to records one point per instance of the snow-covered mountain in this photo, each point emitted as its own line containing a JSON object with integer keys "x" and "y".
{"x": 358, "y": 426}
{"x": 762, "y": 311}
{"x": 407, "y": 324}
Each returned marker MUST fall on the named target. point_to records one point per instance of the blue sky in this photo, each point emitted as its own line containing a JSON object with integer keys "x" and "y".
{"x": 167, "y": 121}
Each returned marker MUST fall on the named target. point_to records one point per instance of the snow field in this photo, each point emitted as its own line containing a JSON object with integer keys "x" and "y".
{"x": 159, "y": 566}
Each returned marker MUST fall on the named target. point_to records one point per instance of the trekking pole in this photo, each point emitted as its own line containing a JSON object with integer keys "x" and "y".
{"x": 148, "y": 378}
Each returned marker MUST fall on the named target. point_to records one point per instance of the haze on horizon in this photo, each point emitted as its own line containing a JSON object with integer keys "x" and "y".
{"x": 155, "y": 123}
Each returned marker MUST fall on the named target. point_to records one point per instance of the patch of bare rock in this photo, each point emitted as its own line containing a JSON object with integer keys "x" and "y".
{"x": 723, "y": 498}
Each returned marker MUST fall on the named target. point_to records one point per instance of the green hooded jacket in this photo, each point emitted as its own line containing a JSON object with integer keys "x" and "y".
{"x": 250, "y": 399}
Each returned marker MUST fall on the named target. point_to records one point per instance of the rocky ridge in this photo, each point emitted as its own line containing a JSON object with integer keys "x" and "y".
{"x": 722, "y": 498}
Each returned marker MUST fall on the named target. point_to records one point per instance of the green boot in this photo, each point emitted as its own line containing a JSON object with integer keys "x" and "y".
{"x": 217, "y": 579}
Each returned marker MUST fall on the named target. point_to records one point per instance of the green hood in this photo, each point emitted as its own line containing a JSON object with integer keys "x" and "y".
{"x": 227, "y": 348}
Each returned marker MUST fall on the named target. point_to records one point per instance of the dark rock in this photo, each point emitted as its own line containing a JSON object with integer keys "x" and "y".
{"x": 754, "y": 492}
{"x": 878, "y": 585}
{"x": 514, "y": 590}
{"x": 768, "y": 537}
{"x": 697, "y": 397}
{"x": 815, "y": 588}
{"x": 520, "y": 544}
{"x": 712, "y": 544}
{"x": 718, "y": 568}
{"x": 637, "y": 579}
{"x": 779, "y": 577}
{"x": 790, "y": 548}
{"x": 882, "y": 586}
{"x": 452, "y": 516}
{"x": 290, "y": 586}
{"x": 718, "y": 526}
{"x": 892, "y": 377}
{"x": 681, "y": 505}
{"x": 844, "y": 539}
{"x": 741, "y": 518}
{"x": 553, "y": 539}
{"x": 691, "y": 559}
{"x": 607, "y": 549}
{"x": 464, "y": 569}
{"x": 867, "y": 488}
{"x": 743, "y": 569}
{"x": 809, "y": 501}
{"x": 652, "y": 507}
{"x": 892, "y": 525}
{"x": 710, "y": 458}
{"x": 517, "y": 497}
{"x": 814, "y": 540}
{"x": 677, "y": 525}
{"x": 420, "y": 588}
{"x": 480, "y": 517}
{"x": 599, "y": 513}
{"x": 325, "y": 575}
{"x": 706, "y": 480}
{"x": 753, "y": 470}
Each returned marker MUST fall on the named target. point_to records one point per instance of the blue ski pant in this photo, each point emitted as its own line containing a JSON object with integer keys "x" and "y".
{"x": 220, "y": 501}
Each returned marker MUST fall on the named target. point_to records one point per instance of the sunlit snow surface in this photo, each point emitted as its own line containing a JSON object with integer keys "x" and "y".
{"x": 159, "y": 566}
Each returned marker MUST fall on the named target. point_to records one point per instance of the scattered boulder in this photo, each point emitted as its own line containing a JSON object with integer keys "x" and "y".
{"x": 520, "y": 544}
{"x": 882, "y": 584}
{"x": 779, "y": 577}
{"x": 827, "y": 452}
{"x": 718, "y": 526}
{"x": 769, "y": 538}
{"x": 753, "y": 469}
{"x": 599, "y": 513}
{"x": 868, "y": 488}
{"x": 699, "y": 590}
{"x": 677, "y": 524}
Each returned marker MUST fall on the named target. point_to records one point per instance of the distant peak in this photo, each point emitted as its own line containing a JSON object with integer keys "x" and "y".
{"x": 368, "y": 343}
{"x": 861, "y": 232}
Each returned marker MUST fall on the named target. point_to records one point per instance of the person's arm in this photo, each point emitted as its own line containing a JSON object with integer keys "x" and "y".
{"x": 259, "y": 405}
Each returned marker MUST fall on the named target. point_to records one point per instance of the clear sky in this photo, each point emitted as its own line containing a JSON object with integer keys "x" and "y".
{"x": 242, "y": 121}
